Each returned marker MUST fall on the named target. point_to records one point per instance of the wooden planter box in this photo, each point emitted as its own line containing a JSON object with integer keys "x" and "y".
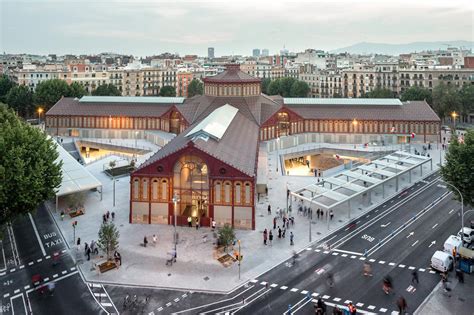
{"x": 76, "y": 213}
{"x": 106, "y": 266}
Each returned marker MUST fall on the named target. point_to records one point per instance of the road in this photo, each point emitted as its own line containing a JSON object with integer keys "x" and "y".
{"x": 395, "y": 238}
{"x": 29, "y": 249}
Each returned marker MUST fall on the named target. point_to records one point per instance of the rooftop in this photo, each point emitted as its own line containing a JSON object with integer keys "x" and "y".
{"x": 343, "y": 101}
{"x": 132, "y": 99}
{"x": 216, "y": 124}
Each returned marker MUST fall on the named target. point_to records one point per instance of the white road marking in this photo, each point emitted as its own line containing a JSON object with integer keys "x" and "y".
{"x": 22, "y": 266}
{"x": 46, "y": 279}
{"x": 55, "y": 275}
{"x": 435, "y": 225}
{"x": 30, "y": 263}
{"x": 294, "y": 290}
{"x": 16, "y": 291}
{"x": 27, "y": 287}
{"x": 37, "y": 234}
{"x": 63, "y": 251}
{"x": 451, "y": 211}
{"x": 100, "y": 294}
{"x": 344, "y": 255}
{"x": 317, "y": 250}
{"x": 326, "y": 252}
{"x": 431, "y": 271}
{"x": 335, "y": 254}
{"x": 309, "y": 248}
{"x": 337, "y": 299}
{"x": 315, "y": 294}
{"x": 371, "y": 260}
{"x": 371, "y": 307}
{"x": 64, "y": 272}
{"x": 106, "y": 304}
{"x": 39, "y": 260}
{"x": 414, "y": 243}
{"x": 160, "y": 309}
{"x": 376, "y": 210}
{"x": 184, "y": 295}
{"x": 254, "y": 281}
{"x": 381, "y": 262}
{"x": 283, "y": 287}
{"x": 347, "y": 301}
{"x": 362, "y": 258}
{"x": 73, "y": 268}
{"x": 3, "y": 273}
{"x": 176, "y": 300}
{"x": 304, "y": 292}
{"x": 411, "y": 268}
{"x": 422, "y": 269}
{"x": 347, "y": 252}
{"x": 168, "y": 304}
{"x": 326, "y": 297}
{"x": 347, "y": 228}
{"x": 273, "y": 285}
{"x": 48, "y": 257}
{"x": 383, "y": 310}
{"x": 353, "y": 257}
{"x": 401, "y": 266}
{"x": 360, "y": 304}
{"x": 12, "y": 270}
{"x": 6, "y": 295}
{"x": 263, "y": 283}
{"x": 392, "y": 264}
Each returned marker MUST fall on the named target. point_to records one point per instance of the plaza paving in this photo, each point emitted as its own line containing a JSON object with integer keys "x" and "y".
{"x": 197, "y": 268}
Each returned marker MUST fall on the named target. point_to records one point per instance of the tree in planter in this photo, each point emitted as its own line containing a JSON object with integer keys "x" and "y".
{"x": 76, "y": 200}
{"x": 108, "y": 239}
{"x": 226, "y": 236}
{"x": 112, "y": 163}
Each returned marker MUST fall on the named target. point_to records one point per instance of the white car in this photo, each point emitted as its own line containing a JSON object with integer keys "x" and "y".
{"x": 442, "y": 261}
{"x": 467, "y": 234}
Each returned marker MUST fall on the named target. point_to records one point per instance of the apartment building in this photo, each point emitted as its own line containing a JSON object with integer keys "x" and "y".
{"x": 323, "y": 83}
{"x": 183, "y": 79}
{"x": 151, "y": 81}
{"x": 31, "y": 75}
{"x": 90, "y": 76}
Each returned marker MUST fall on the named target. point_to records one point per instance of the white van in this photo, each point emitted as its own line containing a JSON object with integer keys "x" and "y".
{"x": 468, "y": 234}
{"x": 452, "y": 242}
{"x": 442, "y": 261}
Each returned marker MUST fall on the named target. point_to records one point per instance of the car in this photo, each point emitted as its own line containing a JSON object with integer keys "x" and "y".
{"x": 467, "y": 234}
{"x": 445, "y": 128}
{"x": 442, "y": 261}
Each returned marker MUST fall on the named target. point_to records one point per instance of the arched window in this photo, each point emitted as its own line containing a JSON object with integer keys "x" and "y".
{"x": 136, "y": 188}
{"x": 145, "y": 188}
{"x": 154, "y": 189}
{"x": 164, "y": 189}
{"x": 217, "y": 191}
{"x": 237, "y": 193}
{"x": 248, "y": 193}
{"x": 227, "y": 188}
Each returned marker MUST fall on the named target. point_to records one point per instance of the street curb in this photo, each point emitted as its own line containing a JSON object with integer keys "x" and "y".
{"x": 246, "y": 281}
{"x": 427, "y": 299}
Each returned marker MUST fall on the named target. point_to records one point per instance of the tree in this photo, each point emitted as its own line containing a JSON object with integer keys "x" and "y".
{"x": 416, "y": 93}
{"x": 5, "y": 85}
{"x": 226, "y": 236}
{"x": 299, "y": 89}
{"x": 286, "y": 85}
{"x": 446, "y": 99}
{"x": 196, "y": 87}
{"x": 274, "y": 88}
{"x": 265, "y": 84}
{"x": 168, "y": 90}
{"x": 459, "y": 167}
{"x": 49, "y": 92}
{"x": 20, "y": 99}
{"x": 108, "y": 239}
{"x": 29, "y": 173}
{"x": 380, "y": 93}
{"x": 76, "y": 90}
{"x": 106, "y": 90}
{"x": 467, "y": 99}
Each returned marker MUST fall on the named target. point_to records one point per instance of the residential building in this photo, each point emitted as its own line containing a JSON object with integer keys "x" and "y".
{"x": 183, "y": 78}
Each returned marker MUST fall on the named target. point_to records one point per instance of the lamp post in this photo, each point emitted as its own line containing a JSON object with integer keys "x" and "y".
{"x": 40, "y": 111}
{"x": 454, "y": 115}
{"x": 278, "y": 156}
{"x": 462, "y": 203}
{"x": 240, "y": 259}
{"x": 354, "y": 124}
{"x": 175, "y": 201}
{"x": 114, "y": 180}
{"x": 74, "y": 223}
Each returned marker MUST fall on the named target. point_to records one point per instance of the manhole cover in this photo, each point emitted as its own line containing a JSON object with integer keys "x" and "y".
{"x": 206, "y": 278}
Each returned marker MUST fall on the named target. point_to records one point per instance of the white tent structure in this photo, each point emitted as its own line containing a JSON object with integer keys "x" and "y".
{"x": 75, "y": 177}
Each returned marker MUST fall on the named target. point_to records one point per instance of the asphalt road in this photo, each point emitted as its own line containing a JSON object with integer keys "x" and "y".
{"x": 28, "y": 254}
{"x": 395, "y": 238}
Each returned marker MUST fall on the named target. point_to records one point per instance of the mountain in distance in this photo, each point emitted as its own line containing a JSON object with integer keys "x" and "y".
{"x": 397, "y": 49}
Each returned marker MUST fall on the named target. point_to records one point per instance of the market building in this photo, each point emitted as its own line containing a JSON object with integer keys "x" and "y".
{"x": 208, "y": 171}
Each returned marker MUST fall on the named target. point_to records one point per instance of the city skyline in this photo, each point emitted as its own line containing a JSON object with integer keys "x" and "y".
{"x": 151, "y": 27}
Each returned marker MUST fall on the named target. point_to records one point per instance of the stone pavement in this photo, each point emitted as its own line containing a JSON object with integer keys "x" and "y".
{"x": 196, "y": 269}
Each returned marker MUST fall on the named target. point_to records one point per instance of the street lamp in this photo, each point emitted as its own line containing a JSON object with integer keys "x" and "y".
{"x": 454, "y": 115}
{"x": 462, "y": 204}
{"x": 240, "y": 259}
{"x": 278, "y": 157}
{"x": 354, "y": 123}
{"x": 175, "y": 201}
{"x": 40, "y": 110}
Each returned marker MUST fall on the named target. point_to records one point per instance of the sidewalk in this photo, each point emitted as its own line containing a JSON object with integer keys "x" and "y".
{"x": 197, "y": 268}
{"x": 458, "y": 301}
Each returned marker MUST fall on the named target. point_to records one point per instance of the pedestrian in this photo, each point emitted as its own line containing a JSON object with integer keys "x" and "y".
{"x": 402, "y": 305}
{"x": 337, "y": 311}
{"x": 104, "y": 218}
{"x": 414, "y": 277}
{"x": 322, "y": 214}
{"x": 265, "y": 237}
{"x": 331, "y": 214}
{"x": 310, "y": 214}
{"x": 145, "y": 241}
{"x": 318, "y": 213}
{"x": 154, "y": 240}
{"x": 352, "y": 308}
{"x": 279, "y": 232}
{"x": 288, "y": 223}
{"x": 213, "y": 225}
{"x": 320, "y": 307}
{"x": 78, "y": 242}
{"x": 107, "y": 215}
{"x": 291, "y": 238}
{"x": 270, "y": 237}
{"x": 118, "y": 258}
{"x": 444, "y": 140}
{"x": 197, "y": 224}
{"x": 269, "y": 209}
{"x": 51, "y": 286}
{"x": 283, "y": 232}
{"x": 190, "y": 221}
{"x": 88, "y": 253}
{"x": 460, "y": 275}
{"x": 113, "y": 216}
{"x": 274, "y": 222}
{"x": 86, "y": 247}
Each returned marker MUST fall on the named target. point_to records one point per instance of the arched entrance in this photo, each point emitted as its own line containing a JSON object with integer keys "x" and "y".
{"x": 175, "y": 122}
{"x": 191, "y": 186}
{"x": 283, "y": 124}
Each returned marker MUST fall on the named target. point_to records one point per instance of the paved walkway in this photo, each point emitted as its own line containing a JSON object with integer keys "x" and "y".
{"x": 197, "y": 267}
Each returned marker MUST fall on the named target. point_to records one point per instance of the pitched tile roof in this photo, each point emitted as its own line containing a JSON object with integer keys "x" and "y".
{"x": 232, "y": 75}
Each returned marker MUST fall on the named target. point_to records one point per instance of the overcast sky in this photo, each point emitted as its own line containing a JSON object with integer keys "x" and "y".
{"x": 231, "y": 26}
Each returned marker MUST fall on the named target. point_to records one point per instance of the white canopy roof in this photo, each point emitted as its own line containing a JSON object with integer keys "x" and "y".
{"x": 76, "y": 178}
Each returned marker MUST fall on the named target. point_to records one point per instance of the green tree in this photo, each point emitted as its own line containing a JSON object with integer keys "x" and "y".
{"x": 49, "y": 92}
{"x": 286, "y": 86}
{"x": 168, "y": 90}
{"x": 108, "y": 239}
{"x": 467, "y": 100}
{"x": 299, "y": 89}
{"x": 196, "y": 87}
{"x": 380, "y": 93}
{"x": 265, "y": 84}
{"x": 5, "y": 85}
{"x": 29, "y": 173}
{"x": 459, "y": 167}
{"x": 106, "y": 90}
{"x": 226, "y": 236}
{"x": 446, "y": 99}
{"x": 274, "y": 88}
{"x": 416, "y": 93}
{"x": 20, "y": 99}
{"x": 76, "y": 90}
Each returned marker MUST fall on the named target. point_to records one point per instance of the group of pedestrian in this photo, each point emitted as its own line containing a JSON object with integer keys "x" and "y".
{"x": 91, "y": 248}
{"x": 190, "y": 222}
{"x": 280, "y": 230}
{"x": 106, "y": 217}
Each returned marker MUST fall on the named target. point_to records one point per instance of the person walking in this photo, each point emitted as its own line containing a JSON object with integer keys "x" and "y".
{"x": 402, "y": 305}
{"x": 197, "y": 224}
{"x": 322, "y": 214}
{"x": 213, "y": 225}
{"x": 279, "y": 232}
{"x": 145, "y": 241}
{"x": 274, "y": 222}
{"x": 460, "y": 275}
{"x": 352, "y": 309}
{"x": 414, "y": 277}
{"x": 291, "y": 238}
{"x": 113, "y": 216}
{"x": 154, "y": 240}
{"x": 107, "y": 214}
{"x": 88, "y": 253}
{"x": 318, "y": 213}
{"x": 86, "y": 247}
{"x": 270, "y": 238}
{"x": 331, "y": 214}
{"x": 104, "y": 218}
{"x": 269, "y": 209}
{"x": 190, "y": 221}
{"x": 265, "y": 237}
